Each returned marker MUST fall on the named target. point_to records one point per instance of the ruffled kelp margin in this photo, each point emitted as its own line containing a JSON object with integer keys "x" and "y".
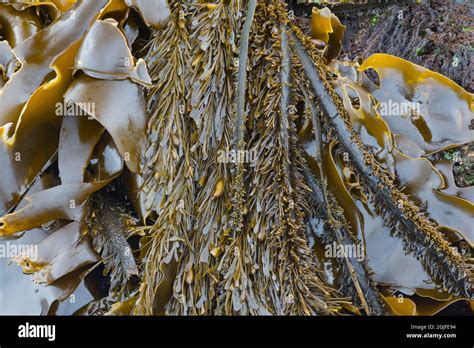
{"x": 214, "y": 160}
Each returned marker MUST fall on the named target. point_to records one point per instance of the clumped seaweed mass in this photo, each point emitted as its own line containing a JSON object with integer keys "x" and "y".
{"x": 215, "y": 158}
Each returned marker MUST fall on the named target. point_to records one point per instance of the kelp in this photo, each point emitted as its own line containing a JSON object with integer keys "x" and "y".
{"x": 234, "y": 290}
{"x": 38, "y": 52}
{"x": 169, "y": 168}
{"x": 326, "y": 27}
{"x": 154, "y": 13}
{"x": 128, "y": 130}
{"x": 87, "y": 158}
{"x": 420, "y": 234}
{"x": 276, "y": 205}
{"x": 105, "y": 40}
{"x": 211, "y": 110}
{"x": 401, "y": 157}
{"x": 8, "y": 62}
{"x": 61, "y": 253}
{"x": 353, "y": 276}
{"x": 77, "y": 140}
{"x": 58, "y": 5}
{"x": 20, "y": 162}
{"x": 209, "y": 158}
{"x": 419, "y": 178}
{"x": 40, "y": 298}
{"x": 439, "y": 111}
{"x": 17, "y": 26}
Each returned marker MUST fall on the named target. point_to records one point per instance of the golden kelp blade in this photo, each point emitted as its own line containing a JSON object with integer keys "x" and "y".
{"x": 61, "y": 253}
{"x": 112, "y": 98}
{"x": 420, "y": 234}
{"x": 34, "y": 141}
{"x": 60, "y": 5}
{"x": 8, "y": 62}
{"x": 18, "y": 26}
{"x": 98, "y": 163}
{"x": 429, "y": 109}
{"x": 105, "y": 55}
{"x": 64, "y": 202}
{"x": 29, "y": 107}
{"x": 78, "y": 137}
{"x": 326, "y": 27}
{"x": 37, "y": 54}
{"x": 154, "y": 13}
{"x": 416, "y": 175}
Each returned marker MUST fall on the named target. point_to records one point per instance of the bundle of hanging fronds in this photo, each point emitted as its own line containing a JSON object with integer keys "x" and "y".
{"x": 261, "y": 174}
{"x": 247, "y": 251}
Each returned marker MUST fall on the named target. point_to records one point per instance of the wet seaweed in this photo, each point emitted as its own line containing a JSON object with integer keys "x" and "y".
{"x": 419, "y": 233}
{"x": 244, "y": 148}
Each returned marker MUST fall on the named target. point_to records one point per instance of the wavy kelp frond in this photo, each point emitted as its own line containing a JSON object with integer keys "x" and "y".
{"x": 60, "y": 202}
{"x": 61, "y": 253}
{"x": 103, "y": 41}
{"x": 420, "y": 235}
{"x": 398, "y": 274}
{"x": 38, "y": 128}
{"x": 58, "y": 6}
{"x": 40, "y": 298}
{"x": 68, "y": 201}
{"x": 8, "y": 62}
{"x": 384, "y": 254}
{"x": 154, "y": 13}
{"x": 326, "y": 27}
{"x": 424, "y": 303}
{"x": 122, "y": 308}
{"x": 17, "y": 26}
{"x": 432, "y": 189}
{"x": 169, "y": 170}
{"x": 409, "y": 307}
{"x": 420, "y": 305}
{"x": 436, "y": 112}
{"x": 415, "y": 174}
{"x": 111, "y": 98}
{"x": 36, "y": 54}
{"x": 445, "y": 167}
{"x": 211, "y": 96}
{"x": 78, "y": 138}
{"x": 96, "y": 137}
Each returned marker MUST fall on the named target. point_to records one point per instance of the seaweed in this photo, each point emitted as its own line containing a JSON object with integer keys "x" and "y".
{"x": 209, "y": 158}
